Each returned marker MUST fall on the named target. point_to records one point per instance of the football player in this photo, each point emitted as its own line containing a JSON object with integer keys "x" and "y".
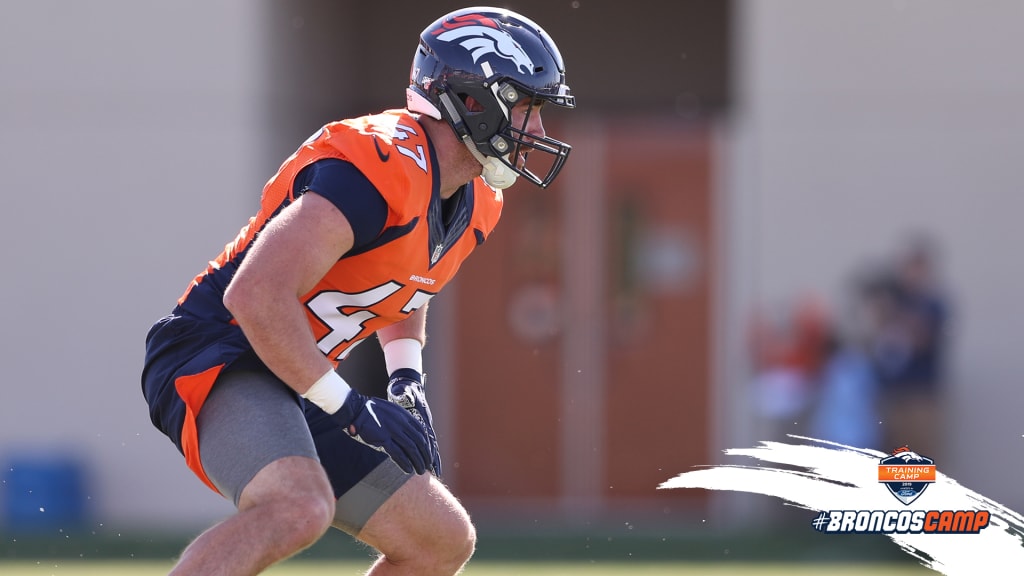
{"x": 357, "y": 230}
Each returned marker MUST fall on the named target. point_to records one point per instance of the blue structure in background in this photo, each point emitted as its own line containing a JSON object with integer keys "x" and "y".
{"x": 42, "y": 492}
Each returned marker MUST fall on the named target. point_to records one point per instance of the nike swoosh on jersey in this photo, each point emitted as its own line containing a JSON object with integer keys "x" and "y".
{"x": 380, "y": 153}
{"x": 369, "y": 408}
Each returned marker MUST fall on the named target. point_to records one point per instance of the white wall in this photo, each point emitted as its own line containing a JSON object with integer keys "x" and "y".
{"x": 127, "y": 144}
{"x": 861, "y": 121}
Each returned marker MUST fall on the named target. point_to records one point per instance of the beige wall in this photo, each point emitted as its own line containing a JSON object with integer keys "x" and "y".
{"x": 127, "y": 142}
{"x": 857, "y": 123}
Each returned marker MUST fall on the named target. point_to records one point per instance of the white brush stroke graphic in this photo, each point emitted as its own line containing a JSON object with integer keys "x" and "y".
{"x": 839, "y": 477}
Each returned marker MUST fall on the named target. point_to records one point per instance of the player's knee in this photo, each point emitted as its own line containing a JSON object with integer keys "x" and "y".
{"x": 293, "y": 498}
{"x": 303, "y": 518}
{"x": 453, "y": 540}
{"x": 314, "y": 514}
{"x": 464, "y": 543}
{"x": 299, "y": 519}
{"x": 441, "y": 546}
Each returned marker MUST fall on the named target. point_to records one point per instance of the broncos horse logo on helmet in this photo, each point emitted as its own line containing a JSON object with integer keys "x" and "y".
{"x": 481, "y": 37}
{"x": 498, "y": 58}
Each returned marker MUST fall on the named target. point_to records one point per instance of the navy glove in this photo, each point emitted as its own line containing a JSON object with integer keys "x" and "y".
{"x": 386, "y": 428}
{"x": 406, "y": 390}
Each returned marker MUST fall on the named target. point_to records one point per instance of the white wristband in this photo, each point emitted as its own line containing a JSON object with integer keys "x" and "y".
{"x": 403, "y": 353}
{"x": 329, "y": 392}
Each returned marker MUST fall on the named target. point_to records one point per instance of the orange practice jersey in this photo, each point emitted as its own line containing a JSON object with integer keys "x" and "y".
{"x": 419, "y": 250}
{"x": 415, "y": 256}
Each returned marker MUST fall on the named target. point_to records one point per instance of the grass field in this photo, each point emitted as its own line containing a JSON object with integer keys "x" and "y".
{"x": 350, "y": 568}
{"x": 544, "y": 551}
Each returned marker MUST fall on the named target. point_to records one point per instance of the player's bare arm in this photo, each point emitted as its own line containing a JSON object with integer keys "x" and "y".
{"x": 415, "y": 327}
{"x": 288, "y": 258}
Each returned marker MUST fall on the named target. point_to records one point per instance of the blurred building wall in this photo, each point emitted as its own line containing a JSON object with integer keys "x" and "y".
{"x": 856, "y": 124}
{"x": 129, "y": 136}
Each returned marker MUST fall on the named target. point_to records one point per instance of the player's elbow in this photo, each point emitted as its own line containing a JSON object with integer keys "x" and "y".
{"x": 241, "y": 299}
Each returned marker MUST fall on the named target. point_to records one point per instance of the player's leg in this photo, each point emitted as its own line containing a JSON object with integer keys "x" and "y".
{"x": 421, "y": 529}
{"x": 256, "y": 449}
{"x": 413, "y": 520}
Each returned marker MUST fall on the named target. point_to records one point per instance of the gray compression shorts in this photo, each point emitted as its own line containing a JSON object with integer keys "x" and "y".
{"x": 251, "y": 419}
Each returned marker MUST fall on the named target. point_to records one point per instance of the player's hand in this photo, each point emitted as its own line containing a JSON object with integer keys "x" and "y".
{"x": 406, "y": 389}
{"x": 385, "y": 427}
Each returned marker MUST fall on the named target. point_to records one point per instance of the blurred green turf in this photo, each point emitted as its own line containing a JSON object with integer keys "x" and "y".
{"x": 502, "y": 550}
{"x": 484, "y": 568}
{"x": 538, "y": 545}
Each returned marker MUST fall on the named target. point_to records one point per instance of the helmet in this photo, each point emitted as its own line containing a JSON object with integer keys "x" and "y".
{"x": 498, "y": 58}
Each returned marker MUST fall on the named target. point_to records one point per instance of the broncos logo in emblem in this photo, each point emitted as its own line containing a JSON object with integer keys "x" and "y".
{"x": 481, "y": 40}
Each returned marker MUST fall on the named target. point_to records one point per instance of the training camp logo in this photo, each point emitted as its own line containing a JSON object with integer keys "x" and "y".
{"x": 906, "y": 475}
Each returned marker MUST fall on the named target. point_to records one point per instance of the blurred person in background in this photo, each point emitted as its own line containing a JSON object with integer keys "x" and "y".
{"x": 846, "y": 406}
{"x": 789, "y": 351}
{"x": 909, "y": 352}
{"x": 355, "y": 233}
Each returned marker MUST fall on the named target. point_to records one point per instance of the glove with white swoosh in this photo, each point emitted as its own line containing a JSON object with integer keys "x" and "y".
{"x": 385, "y": 427}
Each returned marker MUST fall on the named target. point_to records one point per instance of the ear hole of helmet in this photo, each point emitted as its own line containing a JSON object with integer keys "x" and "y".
{"x": 470, "y": 103}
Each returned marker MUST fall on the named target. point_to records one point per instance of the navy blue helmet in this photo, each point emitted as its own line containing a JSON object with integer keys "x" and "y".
{"x": 498, "y": 58}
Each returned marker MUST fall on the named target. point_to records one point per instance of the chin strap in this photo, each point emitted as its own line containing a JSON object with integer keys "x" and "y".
{"x": 496, "y": 173}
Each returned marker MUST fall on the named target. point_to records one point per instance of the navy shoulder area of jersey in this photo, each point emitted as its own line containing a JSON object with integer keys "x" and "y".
{"x": 341, "y": 183}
